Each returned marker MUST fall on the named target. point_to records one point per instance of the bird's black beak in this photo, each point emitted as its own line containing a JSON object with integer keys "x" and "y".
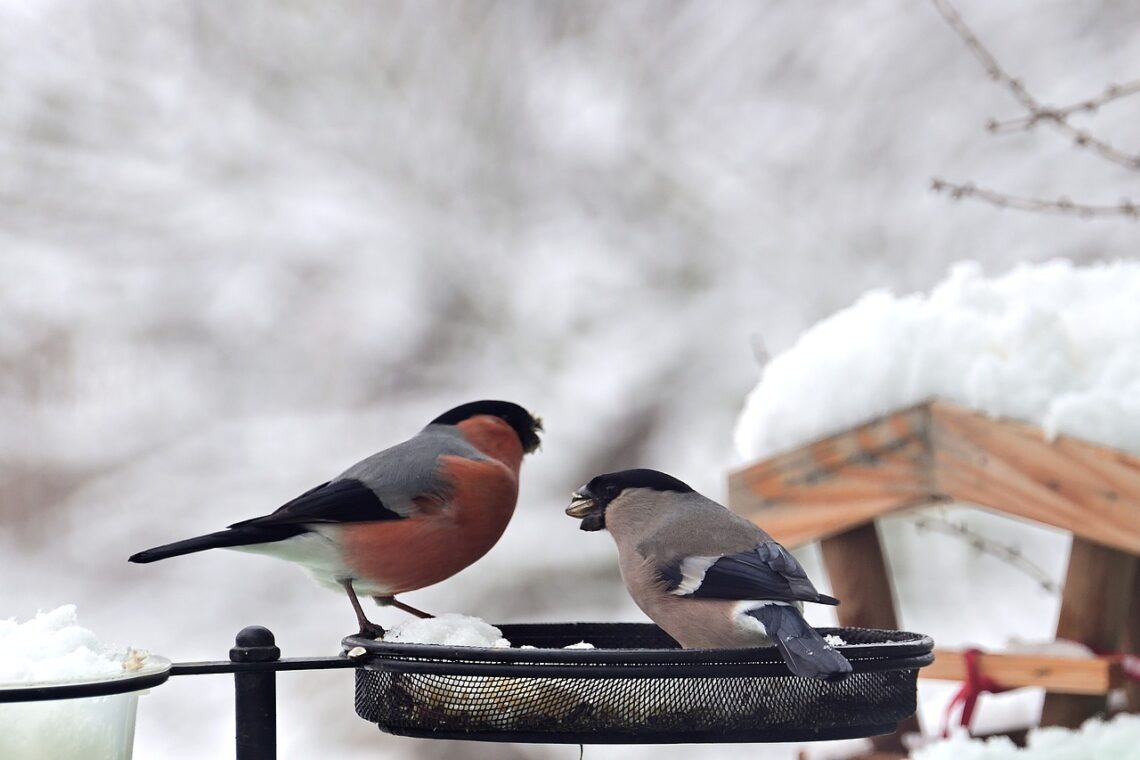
{"x": 586, "y": 508}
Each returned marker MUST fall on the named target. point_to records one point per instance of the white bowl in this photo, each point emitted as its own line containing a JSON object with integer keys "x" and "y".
{"x": 77, "y": 718}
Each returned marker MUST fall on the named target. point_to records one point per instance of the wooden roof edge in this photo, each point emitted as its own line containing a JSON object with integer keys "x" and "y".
{"x": 795, "y": 526}
{"x": 1120, "y": 464}
{"x": 781, "y": 458}
{"x": 931, "y": 404}
{"x": 941, "y": 406}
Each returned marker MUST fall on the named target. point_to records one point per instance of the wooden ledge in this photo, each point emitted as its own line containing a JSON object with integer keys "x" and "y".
{"x": 1061, "y": 675}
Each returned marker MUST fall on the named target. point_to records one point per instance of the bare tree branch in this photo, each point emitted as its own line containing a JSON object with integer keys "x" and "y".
{"x": 1090, "y": 105}
{"x": 1011, "y": 555}
{"x": 1057, "y": 117}
{"x": 1126, "y": 207}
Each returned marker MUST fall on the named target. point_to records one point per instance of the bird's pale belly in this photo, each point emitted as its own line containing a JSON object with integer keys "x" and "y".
{"x": 316, "y": 552}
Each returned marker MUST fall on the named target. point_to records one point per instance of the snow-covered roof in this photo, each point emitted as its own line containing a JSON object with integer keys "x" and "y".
{"x": 1054, "y": 344}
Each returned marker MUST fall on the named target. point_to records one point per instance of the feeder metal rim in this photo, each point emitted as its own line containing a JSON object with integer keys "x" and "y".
{"x": 621, "y": 661}
{"x": 611, "y": 736}
{"x": 505, "y": 670}
{"x": 155, "y": 672}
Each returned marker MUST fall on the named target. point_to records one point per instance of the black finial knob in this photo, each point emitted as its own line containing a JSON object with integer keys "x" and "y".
{"x": 254, "y": 643}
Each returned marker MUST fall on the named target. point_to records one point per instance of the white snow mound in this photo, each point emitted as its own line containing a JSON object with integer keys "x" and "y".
{"x": 52, "y": 646}
{"x": 1052, "y": 344}
{"x": 1117, "y": 739}
{"x": 448, "y": 630}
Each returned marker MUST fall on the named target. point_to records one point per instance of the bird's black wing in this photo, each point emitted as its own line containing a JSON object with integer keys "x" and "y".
{"x": 338, "y": 501}
{"x": 767, "y": 571}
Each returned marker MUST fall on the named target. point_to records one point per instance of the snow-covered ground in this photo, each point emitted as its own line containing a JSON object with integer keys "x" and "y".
{"x": 1116, "y": 739}
{"x": 243, "y": 245}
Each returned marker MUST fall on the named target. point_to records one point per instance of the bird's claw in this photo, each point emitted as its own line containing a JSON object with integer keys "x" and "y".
{"x": 369, "y": 630}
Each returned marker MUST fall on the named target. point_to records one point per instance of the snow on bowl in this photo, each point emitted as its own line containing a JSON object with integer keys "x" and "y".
{"x": 64, "y": 695}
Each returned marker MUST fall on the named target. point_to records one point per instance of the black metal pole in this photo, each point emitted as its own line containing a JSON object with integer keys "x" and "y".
{"x": 255, "y": 695}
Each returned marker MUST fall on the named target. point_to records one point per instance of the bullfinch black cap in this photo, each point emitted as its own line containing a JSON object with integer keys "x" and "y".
{"x": 609, "y": 486}
{"x": 591, "y": 501}
{"x": 525, "y": 425}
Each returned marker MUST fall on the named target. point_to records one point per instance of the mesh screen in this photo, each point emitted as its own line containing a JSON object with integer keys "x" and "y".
{"x": 648, "y": 709}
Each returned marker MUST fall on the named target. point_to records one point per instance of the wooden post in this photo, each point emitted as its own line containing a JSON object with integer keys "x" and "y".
{"x": 860, "y": 580}
{"x": 1130, "y": 641}
{"x": 1095, "y": 603}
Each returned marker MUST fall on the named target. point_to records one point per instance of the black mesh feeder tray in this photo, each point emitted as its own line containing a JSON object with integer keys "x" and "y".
{"x": 636, "y": 686}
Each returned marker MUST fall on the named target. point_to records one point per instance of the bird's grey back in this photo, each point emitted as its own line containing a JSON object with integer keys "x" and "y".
{"x": 411, "y": 468}
{"x": 694, "y": 525}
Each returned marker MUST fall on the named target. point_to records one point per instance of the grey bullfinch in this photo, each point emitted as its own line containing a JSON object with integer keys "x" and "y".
{"x": 407, "y": 517}
{"x": 706, "y": 576}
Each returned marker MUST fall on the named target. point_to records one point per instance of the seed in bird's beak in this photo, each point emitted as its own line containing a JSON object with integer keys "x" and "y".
{"x": 580, "y": 505}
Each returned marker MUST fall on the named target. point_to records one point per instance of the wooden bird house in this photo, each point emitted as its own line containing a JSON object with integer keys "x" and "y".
{"x": 834, "y": 489}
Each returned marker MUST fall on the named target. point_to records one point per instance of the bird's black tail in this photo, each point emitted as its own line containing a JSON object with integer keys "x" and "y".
{"x": 240, "y": 536}
{"x": 805, "y": 651}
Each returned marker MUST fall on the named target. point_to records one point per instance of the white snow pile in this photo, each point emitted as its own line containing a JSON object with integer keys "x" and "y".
{"x": 1052, "y": 344}
{"x": 451, "y": 629}
{"x": 1117, "y": 739}
{"x": 455, "y": 630}
{"x": 52, "y": 646}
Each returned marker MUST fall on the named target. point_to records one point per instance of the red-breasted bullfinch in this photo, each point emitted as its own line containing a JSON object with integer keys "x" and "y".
{"x": 407, "y": 517}
{"x": 708, "y": 577}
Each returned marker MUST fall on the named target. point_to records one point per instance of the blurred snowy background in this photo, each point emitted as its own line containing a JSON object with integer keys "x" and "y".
{"x": 244, "y": 244}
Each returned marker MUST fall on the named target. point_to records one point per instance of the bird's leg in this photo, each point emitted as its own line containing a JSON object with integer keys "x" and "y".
{"x": 390, "y": 601}
{"x": 367, "y": 627}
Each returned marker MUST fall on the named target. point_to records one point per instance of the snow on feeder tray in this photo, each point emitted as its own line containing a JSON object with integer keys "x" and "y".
{"x": 635, "y": 686}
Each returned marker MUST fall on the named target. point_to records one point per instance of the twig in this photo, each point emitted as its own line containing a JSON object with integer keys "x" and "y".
{"x": 760, "y": 352}
{"x": 1037, "y": 112}
{"x": 1011, "y": 555}
{"x": 1126, "y": 207}
{"x": 989, "y": 62}
{"x": 1090, "y": 105}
